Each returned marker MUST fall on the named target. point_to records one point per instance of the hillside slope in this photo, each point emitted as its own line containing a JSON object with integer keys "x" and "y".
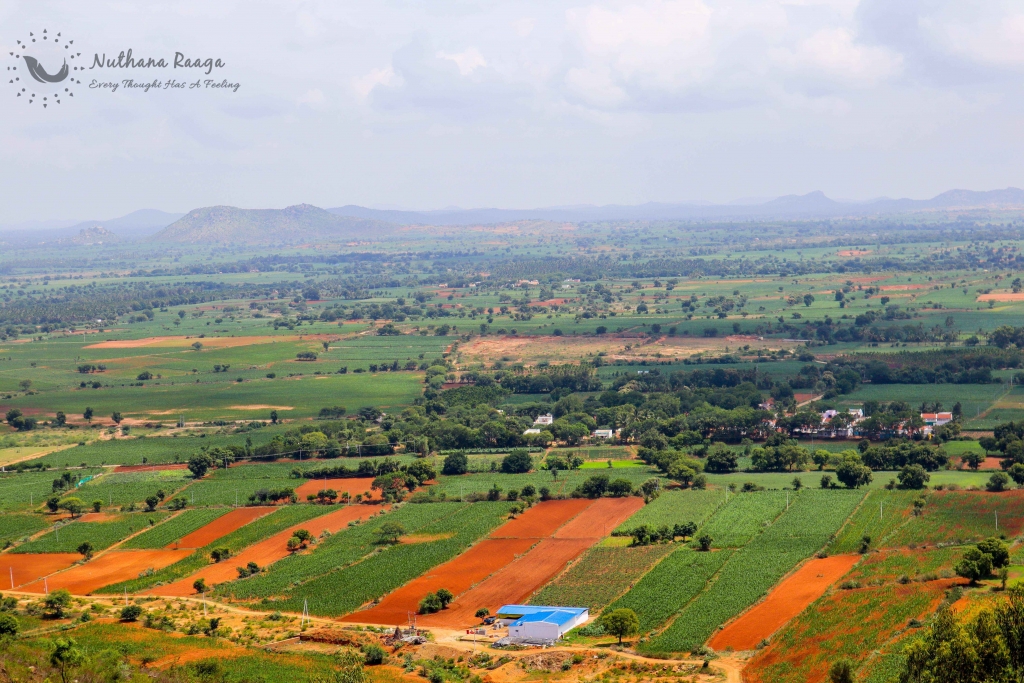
{"x": 294, "y": 224}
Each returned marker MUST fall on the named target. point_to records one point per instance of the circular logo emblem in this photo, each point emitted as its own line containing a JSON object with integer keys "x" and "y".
{"x": 42, "y": 68}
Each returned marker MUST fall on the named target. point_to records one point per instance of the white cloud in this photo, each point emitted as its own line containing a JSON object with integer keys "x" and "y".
{"x": 364, "y": 85}
{"x": 834, "y": 54}
{"x": 594, "y": 87}
{"x": 313, "y": 98}
{"x": 995, "y": 38}
{"x": 524, "y": 27}
{"x": 468, "y": 60}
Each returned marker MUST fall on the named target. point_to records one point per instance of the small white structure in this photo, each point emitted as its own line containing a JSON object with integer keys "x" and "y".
{"x": 936, "y": 419}
{"x": 532, "y": 431}
{"x": 538, "y": 623}
{"x": 603, "y": 434}
{"x": 544, "y": 419}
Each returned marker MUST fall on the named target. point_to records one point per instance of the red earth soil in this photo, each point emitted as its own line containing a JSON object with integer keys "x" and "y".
{"x": 516, "y": 581}
{"x": 29, "y": 567}
{"x": 267, "y": 551}
{"x": 151, "y": 468}
{"x": 220, "y": 527}
{"x": 512, "y": 539}
{"x": 112, "y": 567}
{"x": 97, "y": 517}
{"x": 786, "y": 600}
{"x": 352, "y": 486}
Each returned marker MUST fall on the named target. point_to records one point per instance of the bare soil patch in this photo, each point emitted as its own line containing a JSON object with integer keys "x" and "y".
{"x": 260, "y": 406}
{"x": 220, "y": 527}
{"x": 543, "y": 519}
{"x": 111, "y": 567}
{"x": 853, "y": 252}
{"x": 785, "y": 601}
{"x": 413, "y": 539}
{"x": 352, "y": 486}
{"x": 28, "y": 568}
{"x": 98, "y": 517}
{"x": 151, "y": 468}
{"x": 1002, "y": 296}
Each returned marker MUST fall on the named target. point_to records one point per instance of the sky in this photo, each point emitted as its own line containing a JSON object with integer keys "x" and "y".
{"x": 508, "y": 104}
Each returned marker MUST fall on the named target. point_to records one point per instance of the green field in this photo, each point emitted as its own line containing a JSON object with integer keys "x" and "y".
{"x": 101, "y": 535}
{"x": 169, "y": 531}
{"x": 675, "y": 507}
{"x": 17, "y": 527}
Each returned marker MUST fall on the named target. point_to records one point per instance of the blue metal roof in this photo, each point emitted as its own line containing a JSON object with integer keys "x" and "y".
{"x": 541, "y": 613}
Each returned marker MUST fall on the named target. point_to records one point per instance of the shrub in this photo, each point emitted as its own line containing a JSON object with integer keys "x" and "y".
{"x": 517, "y": 461}
{"x": 131, "y": 613}
{"x": 374, "y": 654}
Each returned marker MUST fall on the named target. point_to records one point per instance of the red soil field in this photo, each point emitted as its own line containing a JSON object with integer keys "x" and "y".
{"x": 352, "y": 486}
{"x": 542, "y": 520}
{"x": 97, "y": 517}
{"x": 457, "y": 575}
{"x": 785, "y": 601}
{"x": 266, "y": 552}
{"x": 117, "y": 565}
{"x": 220, "y": 527}
{"x": 516, "y": 581}
{"x": 151, "y": 468}
{"x": 29, "y": 567}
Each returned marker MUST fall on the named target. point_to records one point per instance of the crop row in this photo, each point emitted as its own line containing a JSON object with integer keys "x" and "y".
{"x": 671, "y": 585}
{"x": 335, "y": 552}
{"x": 343, "y": 591}
{"x": 174, "y": 528}
{"x": 28, "y": 490}
{"x": 881, "y": 513}
{"x": 123, "y": 488}
{"x": 675, "y": 507}
{"x": 963, "y": 516}
{"x": 813, "y": 517}
{"x": 563, "y": 484}
{"x": 15, "y": 527}
{"x": 253, "y": 532}
{"x": 101, "y": 535}
{"x": 745, "y": 515}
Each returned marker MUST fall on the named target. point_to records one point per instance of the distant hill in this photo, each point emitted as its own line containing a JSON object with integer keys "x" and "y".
{"x": 292, "y": 225}
{"x": 94, "y": 235}
{"x": 811, "y": 205}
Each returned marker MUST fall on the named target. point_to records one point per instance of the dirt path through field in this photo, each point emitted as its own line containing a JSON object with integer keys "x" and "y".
{"x": 786, "y": 600}
{"x": 25, "y": 568}
{"x": 265, "y": 552}
{"x": 516, "y": 581}
{"x": 111, "y": 567}
{"x": 220, "y": 527}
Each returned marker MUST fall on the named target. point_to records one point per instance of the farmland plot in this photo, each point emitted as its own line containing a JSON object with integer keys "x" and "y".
{"x": 751, "y": 571}
{"x": 671, "y": 585}
{"x": 175, "y": 528}
{"x": 675, "y": 507}
{"x": 744, "y": 516}
{"x": 16, "y": 527}
{"x": 600, "y": 575}
{"x": 28, "y": 490}
{"x": 123, "y": 488}
{"x": 101, "y": 535}
{"x": 963, "y": 516}
{"x": 878, "y": 517}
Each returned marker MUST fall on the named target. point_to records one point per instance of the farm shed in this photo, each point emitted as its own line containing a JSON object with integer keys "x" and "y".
{"x": 541, "y": 623}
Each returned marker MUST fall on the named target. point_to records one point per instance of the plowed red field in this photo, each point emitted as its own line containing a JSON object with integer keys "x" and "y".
{"x": 516, "y": 581}
{"x": 30, "y": 567}
{"x": 266, "y": 552}
{"x": 117, "y": 565}
{"x": 542, "y": 520}
{"x": 786, "y": 600}
{"x": 352, "y": 486}
{"x": 220, "y": 527}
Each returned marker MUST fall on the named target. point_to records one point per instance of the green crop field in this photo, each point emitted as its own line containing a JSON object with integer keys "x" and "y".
{"x": 251, "y": 533}
{"x": 170, "y": 530}
{"x": 124, "y": 488}
{"x": 28, "y": 490}
{"x": 675, "y": 507}
{"x": 962, "y": 517}
{"x": 744, "y": 515}
{"x": 671, "y": 585}
{"x": 334, "y": 553}
{"x": 16, "y": 527}
{"x": 880, "y": 514}
{"x": 751, "y": 571}
{"x": 564, "y": 484}
{"x": 102, "y": 535}
{"x": 602, "y": 574}
{"x": 344, "y": 591}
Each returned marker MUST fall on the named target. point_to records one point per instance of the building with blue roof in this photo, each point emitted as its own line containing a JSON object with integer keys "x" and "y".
{"x": 541, "y": 622}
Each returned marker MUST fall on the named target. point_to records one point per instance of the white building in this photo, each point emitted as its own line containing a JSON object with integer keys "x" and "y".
{"x": 537, "y": 623}
{"x": 544, "y": 419}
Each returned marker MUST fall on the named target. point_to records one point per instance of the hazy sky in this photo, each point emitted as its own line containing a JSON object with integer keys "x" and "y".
{"x": 514, "y": 104}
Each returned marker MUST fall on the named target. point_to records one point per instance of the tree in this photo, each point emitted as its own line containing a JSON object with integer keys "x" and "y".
{"x": 1016, "y": 473}
{"x": 913, "y": 477}
{"x": 841, "y": 671}
{"x": 820, "y": 458}
{"x": 131, "y": 613}
{"x": 445, "y": 596}
{"x": 199, "y": 464}
{"x": 650, "y": 489}
{"x": 273, "y": 417}
{"x": 199, "y": 585}
{"x": 75, "y": 506}
{"x": 972, "y": 652}
{"x": 721, "y": 460}
{"x": 65, "y": 655}
{"x": 373, "y": 654}
{"x": 620, "y": 488}
{"x": 482, "y": 613}
{"x": 972, "y": 459}
{"x": 116, "y": 417}
{"x": 456, "y": 463}
{"x": 974, "y": 565}
{"x": 85, "y": 549}
{"x": 8, "y": 625}
{"x": 808, "y": 299}
{"x": 88, "y": 414}
{"x": 57, "y": 603}
{"x": 430, "y": 604}
{"x": 60, "y": 419}
{"x": 517, "y": 461}
{"x": 151, "y": 503}
{"x": 852, "y": 472}
{"x": 997, "y": 482}
{"x": 25, "y": 384}
{"x": 705, "y": 541}
{"x": 97, "y": 505}
{"x": 997, "y": 550}
{"x": 198, "y": 346}
{"x": 621, "y": 623}
{"x": 389, "y": 532}
{"x": 1010, "y": 617}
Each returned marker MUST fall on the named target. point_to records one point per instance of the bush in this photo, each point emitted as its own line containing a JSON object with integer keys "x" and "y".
{"x": 430, "y": 604}
{"x": 997, "y": 483}
{"x": 131, "y": 613}
{"x": 913, "y": 477}
{"x": 454, "y": 464}
{"x": 374, "y": 654}
{"x": 8, "y": 625}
